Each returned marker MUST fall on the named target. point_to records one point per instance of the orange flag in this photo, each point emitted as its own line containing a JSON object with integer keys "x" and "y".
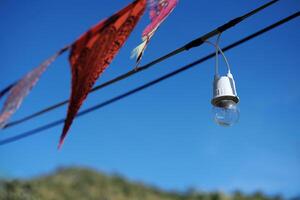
{"x": 93, "y": 52}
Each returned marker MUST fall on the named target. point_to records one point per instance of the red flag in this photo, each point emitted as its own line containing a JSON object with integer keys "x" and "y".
{"x": 92, "y": 53}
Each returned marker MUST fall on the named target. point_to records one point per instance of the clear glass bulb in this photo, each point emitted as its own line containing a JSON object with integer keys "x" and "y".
{"x": 226, "y": 113}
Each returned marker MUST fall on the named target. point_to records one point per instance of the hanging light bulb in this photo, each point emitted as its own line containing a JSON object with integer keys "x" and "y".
{"x": 225, "y": 99}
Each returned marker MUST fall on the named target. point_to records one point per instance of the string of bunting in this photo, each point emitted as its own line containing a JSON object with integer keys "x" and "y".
{"x": 92, "y": 53}
{"x": 89, "y": 56}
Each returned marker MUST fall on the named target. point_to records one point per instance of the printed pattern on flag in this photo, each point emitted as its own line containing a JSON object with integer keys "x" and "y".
{"x": 159, "y": 11}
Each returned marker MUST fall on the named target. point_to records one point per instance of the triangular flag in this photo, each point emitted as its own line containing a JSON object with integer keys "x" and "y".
{"x": 18, "y": 91}
{"x": 92, "y": 53}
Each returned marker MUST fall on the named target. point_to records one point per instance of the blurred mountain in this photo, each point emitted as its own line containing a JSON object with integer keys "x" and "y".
{"x": 87, "y": 184}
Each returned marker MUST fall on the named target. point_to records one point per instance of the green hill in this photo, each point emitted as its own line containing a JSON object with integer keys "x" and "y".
{"x": 78, "y": 183}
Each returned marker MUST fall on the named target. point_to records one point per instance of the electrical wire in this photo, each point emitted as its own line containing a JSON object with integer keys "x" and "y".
{"x": 6, "y": 90}
{"x": 224, "y": 56}
{"x": 217, "y": 56}
{"x": 195, "y": 43}
{"x": 218, "y": 49}
{"x": 147, "y": 85}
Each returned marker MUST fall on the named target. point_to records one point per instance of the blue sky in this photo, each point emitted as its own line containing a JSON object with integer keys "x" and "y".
{"x": 164, "y": 135}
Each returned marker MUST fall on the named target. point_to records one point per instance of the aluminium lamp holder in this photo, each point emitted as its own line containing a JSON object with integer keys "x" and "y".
{"x": 224, "y": 89}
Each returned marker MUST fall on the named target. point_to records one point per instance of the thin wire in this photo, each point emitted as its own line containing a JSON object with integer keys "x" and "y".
{"x": 224, "y": 56}
{"x": 217, "y": 55}
{"x": 218, "y": 49}
{"x": 195, "y": 43}
{"x": 156, "y": 81}
{"x": 6, "y": 90}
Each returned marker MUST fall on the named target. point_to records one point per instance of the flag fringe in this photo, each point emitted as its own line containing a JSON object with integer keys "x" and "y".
{"x": 138, "y": 51}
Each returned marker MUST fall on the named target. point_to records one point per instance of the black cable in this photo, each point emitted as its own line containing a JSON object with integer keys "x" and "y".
{"x": 224, "y": 27}
{"x": 7, "y": 89}
{"x": 158, "y": 80}
{"x": 195, "y": 43}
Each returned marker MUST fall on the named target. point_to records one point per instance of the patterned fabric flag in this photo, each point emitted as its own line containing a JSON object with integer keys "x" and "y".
{"x": 20, "y": 90}
{"x": 93, "y": 52}
{"x": 159, "y": 11}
